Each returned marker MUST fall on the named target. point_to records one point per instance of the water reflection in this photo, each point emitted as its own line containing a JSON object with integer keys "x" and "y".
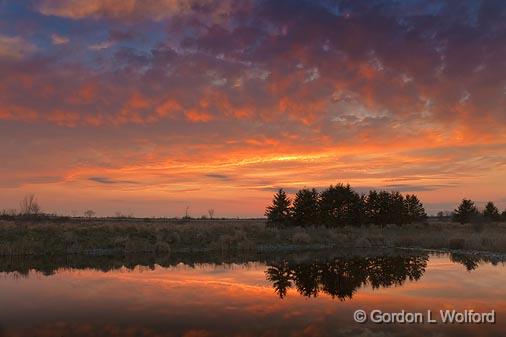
{"x": 341, "y": 277}
{"x": 206, "y": 295}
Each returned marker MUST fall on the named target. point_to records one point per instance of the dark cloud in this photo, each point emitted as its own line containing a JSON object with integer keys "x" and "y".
{"x": 105, "y": 180}
{"x": 365, "y": 189}
{"x": 218, "y": 176}
{"x": 244, "y": 83}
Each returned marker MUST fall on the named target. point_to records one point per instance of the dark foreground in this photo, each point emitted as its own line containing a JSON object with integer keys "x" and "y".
{"x": 105, "y": 237}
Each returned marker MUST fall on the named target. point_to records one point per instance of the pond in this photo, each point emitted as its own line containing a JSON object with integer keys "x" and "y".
{"x": 310, "y": 294}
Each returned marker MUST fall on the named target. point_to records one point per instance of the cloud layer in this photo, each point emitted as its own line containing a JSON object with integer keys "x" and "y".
{"x": 203, "y": 100}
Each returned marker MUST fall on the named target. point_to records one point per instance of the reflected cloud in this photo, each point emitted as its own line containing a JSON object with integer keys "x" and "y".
{"x": 162, "y": 295}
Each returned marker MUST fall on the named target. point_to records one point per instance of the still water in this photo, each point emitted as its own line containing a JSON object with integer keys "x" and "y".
{"x": 294, "y": 295}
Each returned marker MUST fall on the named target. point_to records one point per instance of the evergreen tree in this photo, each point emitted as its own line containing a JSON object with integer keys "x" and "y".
{"x": 397, "y": 211}
{"x": 372, "y": 208}
{"x": 305, "y": 210}
{"x": 340, "y": 206}
{"x": 491, "y": 212}
{"x": 278, "y": 214}
{"x": 414, "y": 209}
{"x": 382, "y": 208}
{"x": 465, "y": 212}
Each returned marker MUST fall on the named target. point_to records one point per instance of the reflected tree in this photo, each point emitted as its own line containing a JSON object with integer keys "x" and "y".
{"x": 470, "y": 262}
{"x": 341, "y": 277}
{"x": 280, "y": 276}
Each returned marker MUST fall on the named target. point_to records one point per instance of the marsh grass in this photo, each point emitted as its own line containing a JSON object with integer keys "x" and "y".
{"x": 100, "y": 237}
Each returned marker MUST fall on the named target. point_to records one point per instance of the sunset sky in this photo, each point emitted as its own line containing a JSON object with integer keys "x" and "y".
{"x": 150, "y": 106}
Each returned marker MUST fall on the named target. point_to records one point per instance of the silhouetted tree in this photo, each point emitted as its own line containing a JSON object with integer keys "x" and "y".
{"x": 503, "y": 215}
{"x": 29, "y": 205}
{"x": 278, "y": 214}
{"x": 465, "y": 212}
{"x": 187, "y": 215}
{"x": 340, "y": 206}
{"x": 305, "y": 209}
{"x": 398, "y": 211}
{"x": 89, "y": 213}
{"x": 382, "y": 208}
{"x": 414, "y": 209}
{"x": 491, "y": 212}
{"x": 372, "y": 208}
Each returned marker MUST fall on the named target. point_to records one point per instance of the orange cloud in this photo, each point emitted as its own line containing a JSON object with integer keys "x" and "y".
{"x": 198, "y": 116}
{"x": 156, "y": 10}
{"x": 167, "y": 107}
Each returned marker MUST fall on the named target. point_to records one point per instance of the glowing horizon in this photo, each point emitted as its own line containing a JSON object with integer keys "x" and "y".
{"x": 149, "y": 107}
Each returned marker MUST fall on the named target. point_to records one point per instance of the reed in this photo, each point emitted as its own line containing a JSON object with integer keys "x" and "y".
{"x": 99, "y": 237}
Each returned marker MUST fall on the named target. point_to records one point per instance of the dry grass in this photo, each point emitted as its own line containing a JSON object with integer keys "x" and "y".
{"x": 134, "y": 236}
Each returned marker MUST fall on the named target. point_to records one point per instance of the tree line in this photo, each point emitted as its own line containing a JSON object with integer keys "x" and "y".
{"x": 468, "y": 212}
{"x": 340, "y": 205}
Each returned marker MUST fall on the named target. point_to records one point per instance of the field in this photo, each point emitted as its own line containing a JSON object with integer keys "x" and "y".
{"x": 125, "y": 236}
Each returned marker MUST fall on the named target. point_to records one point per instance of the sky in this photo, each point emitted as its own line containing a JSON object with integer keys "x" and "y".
{"x": 149, "y": 107}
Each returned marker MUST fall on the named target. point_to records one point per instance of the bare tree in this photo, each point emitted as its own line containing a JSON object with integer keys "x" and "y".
{"x": 29, "y": 205}
{"x": 211, "y": 212}
{"x": 187, "y": 213}
{"x": 89, "y": 213}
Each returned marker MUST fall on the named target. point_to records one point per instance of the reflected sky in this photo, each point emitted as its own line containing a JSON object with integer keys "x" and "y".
{"x": 235, "y": 299}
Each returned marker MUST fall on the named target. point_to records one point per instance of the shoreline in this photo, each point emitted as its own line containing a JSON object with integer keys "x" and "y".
{"x": 51, "y": 264}
{"x": 19, "y": 238}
